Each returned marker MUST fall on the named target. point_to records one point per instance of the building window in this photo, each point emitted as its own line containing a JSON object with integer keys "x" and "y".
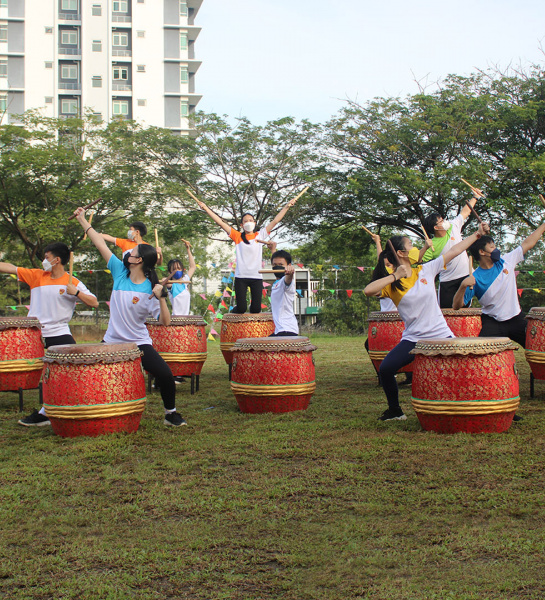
{"x": 183, "y": 41}
{"x": 69, "y": 72}
{"x": 121, "y": 107}
{"x": 48, "y": 64}
{"x": 48, "y": 30}
{"x": 3, "y": 102}
{"x": 121, "y": 73}
{"x": 120, "y": 6}
{"x": 3, "y": 68}
{"x": 140, "y": 68}
{"x": 97, "y": 46}
{"x": 69, "y": 5}
{"x": 3, "y": 3}
{"x": 184, "y": 108}
{"x": 184, "y": 75}
{"x": 140, "y": 34}
{"x": 69, "y": 106}
{"x": 3, "y": 33}
{"x": 96, "y": 10}
{"x": 121, "y": 39}
{"x": 183, "y": 8}
{"x": 97, "y": 81}
{"x": 49, "y": 99}
{"x": 69, "y": 37}
{"x": 141, "y": 102}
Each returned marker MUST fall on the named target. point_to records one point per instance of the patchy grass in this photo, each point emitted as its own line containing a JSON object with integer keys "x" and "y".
{"x": 323, "y": 504}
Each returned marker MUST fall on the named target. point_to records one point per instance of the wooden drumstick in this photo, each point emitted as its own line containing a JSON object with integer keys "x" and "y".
{"x": 474, "y": 212}
{"x": 292, "y": 202}
{"x": 542, "y": 199}
{"x": 178, "y": 281}
{"x": 186, "y": 242}
{"x": 192, "y": 195}
{"x": 90, "y": 221}
{"x": 427, "y": 237}
{"x": 391, "y": 246}
{"x": 163, "y": 282}
{"x": 86, "y": 207}
{"x": 156, "y": 238}
{"x": 471, "y": 269}
{"x": 365, "y": 229}
{"x": 473, "y": 189}
{"x": 71, "y": 268}
{"x": 271, "y": 271}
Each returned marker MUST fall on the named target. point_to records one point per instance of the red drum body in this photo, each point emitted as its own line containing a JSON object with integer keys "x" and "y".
{"x": 465, "y": 322}
{"x": 385, "y": 331}
{"x": 92, "y": 389}
{"x": 247, "y": 325}
{"x": 465, "y": 385}
{"x": 21, "y": 353}
{"x": 535, "y": 341}
{"x": 182, "y": 344}
{"x": 273, "y": 374}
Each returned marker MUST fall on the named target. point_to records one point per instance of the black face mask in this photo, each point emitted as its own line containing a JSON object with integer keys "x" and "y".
{"x": 126, "y": 260}
{"x": 279, "y": 268}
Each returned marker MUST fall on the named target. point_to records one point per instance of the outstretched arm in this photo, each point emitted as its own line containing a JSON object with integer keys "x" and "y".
{"x": 93, "y": 235}
{"x": 458, "y": 300}
{"x": 375, "y": 287}
{"x": 376, "y": 238}
{"x": 192, "y": 263}
{"x": 533, "y": 238}
{"x": 280, "y": 216}
{"x": 107, "y": 238}
{"x": 466, "y": 211}
{"x": 8, "y": 268}
{"x": 214, "y": 217}
{"x": 465, "y": 243}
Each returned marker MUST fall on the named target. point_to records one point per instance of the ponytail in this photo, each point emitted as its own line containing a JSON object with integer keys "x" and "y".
{"x": 380, "y": 270}
{"x": 149, "y": 260}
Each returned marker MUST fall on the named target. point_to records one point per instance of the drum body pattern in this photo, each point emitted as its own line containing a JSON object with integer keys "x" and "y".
{"x": 273, "y": 374}
{"x": 182, "y": 344}
{"x": 21, "y": 353}
{"x": 535, "y": 341}
{"x": 92, "y": 389}
{"x": 247, "y": 325}
{"x": 465, "y": 322}
{"x": 465, "y": 385}
{"x": 385, "y": 331}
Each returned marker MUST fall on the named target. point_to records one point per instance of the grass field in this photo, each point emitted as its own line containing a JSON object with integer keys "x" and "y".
{"x": 322, "y": 504}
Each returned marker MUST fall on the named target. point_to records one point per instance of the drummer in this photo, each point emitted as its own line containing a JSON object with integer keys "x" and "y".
{"x": 136, "y": 294}
{"x": 135, "y": 234}
{"x": 443, "y": 236}
{"x": 413, "y": 293}
{"x": 52, "y": 301}
{"x": 283, "y": 294}
{"x": 178, "y": 291}
{"x": 494, "y": 284}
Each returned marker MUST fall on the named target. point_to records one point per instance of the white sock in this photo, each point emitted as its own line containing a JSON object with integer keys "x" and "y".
{"x": 167, "y": 412}
{"x": 42, "y": 411}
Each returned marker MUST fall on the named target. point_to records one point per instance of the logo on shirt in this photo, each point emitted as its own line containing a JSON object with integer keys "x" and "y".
{"x": 135, "y": 299}
{"x": 61, "y": 291}
{"x": 424, "y": 281}
{"x": 452, "y": 238}
{"x": 506, "y": 271}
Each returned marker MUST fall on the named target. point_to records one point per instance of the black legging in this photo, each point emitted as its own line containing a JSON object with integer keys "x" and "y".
{"x": 256, "y": 290}
{"x": 59, "y": 340}
{"x": 156, "y": 366}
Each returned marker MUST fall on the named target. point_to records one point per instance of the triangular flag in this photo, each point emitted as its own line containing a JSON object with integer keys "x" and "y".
{"x": 210, "y": 307}
{"x": 13, "y": 307}
{"x": 213, "y": 264}
{"x": 265, "y": 293}
{"x": 213, "y": 331}
{"x": 108, "y": 303}
{"x": 300, "y": 293}
{"x": 226, "y": 294}
{"x": 224, "y": 280}
{"x": 27, "y": 306}
{"x": 332, "y": 291}
{"x": 198, "y": 266}
{"x": 349, "y": 293}
{"x": 223, "y": 304}
{"x": 519, "y": 292}
{"x": 264, "y": 306}
{"x": 538, "y": 291}
{"x": 517, "y": 272}
{"x": 217, "y": 294}
{"x": 219, "y": 317}
{"x": 107, "y": 271}
{"x": 231, "y": 308}
{"x": 336, "y": 267}
{"x": 300, "y": 265}
{"x": 361, "y": 269}
{"x": 211, "y": 337}
{"x": 13, "y": 276}
{"x": 229, "y": 289}
{"x": 265, "y": 284}
{"x": 531, "y": 273}
{"x": 314, "y": 291}
{"x": 202, "y": 296}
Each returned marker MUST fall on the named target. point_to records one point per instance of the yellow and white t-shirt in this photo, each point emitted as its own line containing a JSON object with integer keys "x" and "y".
{"x": 49, "y": 301}
{"x": 417, "y": 303}
{"x": 249, "y": 256}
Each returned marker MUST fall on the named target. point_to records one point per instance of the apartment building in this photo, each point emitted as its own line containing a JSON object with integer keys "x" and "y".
{"x": 128, "y": 58}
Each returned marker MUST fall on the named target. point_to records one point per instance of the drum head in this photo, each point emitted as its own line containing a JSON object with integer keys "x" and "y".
{"x": 289, "y": 343}
{"x": 462, "y": 312}
{"x": 92, "y": 353}
{"x": 387, "y": 315}
{"x": 17, "y": 322}
{"x": 537, "y": 313}
{"x": 246, "y": 317}
{"x": 463, "y": 346}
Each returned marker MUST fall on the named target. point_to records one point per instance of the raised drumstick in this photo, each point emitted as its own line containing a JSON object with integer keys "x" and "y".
{"x": 471, "y": 269}
{"x": 474, "y": 212}
{"x": 473, "y": 188}
{"x": 292, "y": 202}
{"x": 365, "y": 229}
{"x": 90, "y": 221}
{"x": 427, "y": 237}
{"x": 71, "y": 268}
{"x": 192, "y": 195}
{"x": 542, "y": 199}
{"x": 86, "y": 207}
{"x": 186, "y": 242}
{"x": 156, "y": 238}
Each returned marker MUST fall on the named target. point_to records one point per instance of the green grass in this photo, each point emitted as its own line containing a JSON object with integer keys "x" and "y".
{"x": 322, "y": 504}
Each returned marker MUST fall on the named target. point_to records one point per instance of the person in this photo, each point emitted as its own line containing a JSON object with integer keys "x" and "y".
{"x": 52, "y": 301}
{"x": 413, "y": 293}
{"x": 283, "y": 295}
{"x": 248, "y": 255}
{"x": 494, "y": 284}
{"x": 178, "y": 293}
{"x": 136, "y": 294}
{"x": 443, "y": 236}
{"x": 135, "y": 234}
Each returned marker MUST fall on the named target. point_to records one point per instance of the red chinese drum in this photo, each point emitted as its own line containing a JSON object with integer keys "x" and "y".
{"x": 535, "y": 341}
{"x": 385, "y": 331}
{"x": 465, "y": 384}
{"x": 247, "y": 325}
{"x": 182, "y": 344}
{"x": 21, "y": 353}
{"x": 91, "y": 389}
{"x": 273, "y": 374}
{"x": 465, "y": 322}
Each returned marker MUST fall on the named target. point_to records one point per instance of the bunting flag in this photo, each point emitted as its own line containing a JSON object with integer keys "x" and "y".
{"x": 213, "y": 264}
{"x": 202, "y": 296}
{"x": 107, "y": 271}
{"x": 336, "y": 267}
{"x": 211, "y": 308}
{"x": 349, "y": 293}
{"x": 213, "y": 331}
{"x": 217, "y": 294}
{"x": 519, "y": 292}
{"x": 265, "y": 284}
{"x": 13, "y": 307}
{"x": 27, "y": 306}
{"x": 219, "y": 317}
{"x": 362, "y": 269}
{"x": 211, "y": 337}
{"x": 265, "y": 293}
{"x": 531, "y": 273}
{"x": 228, "y": 289}
{"x": 222, "y": 303}
{"x": 198, "y": 266}
{"x": 108, "y": 303}
{"x": 224, "y": 280}
{"x": 13, "y": 276}
{"x": 538, "y": 291}
{"x": 300, "y": 265}
{"x": 332, "y": 291}
{"x": 226, "y": 294}
{"x": 300, "y": 293}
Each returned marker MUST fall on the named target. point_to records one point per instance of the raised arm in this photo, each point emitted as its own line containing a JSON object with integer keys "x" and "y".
{"x": 214, "y": 217}
{"x": 280, "y": 216}
{"x": 465, "y": 243}
{"x": 107, "y": 238}
{"x": 8, "y": 268}
{"x": 376, "y": 238}
{"x": 93, "y": 235}
{"x": 427, "y": 244}
{"x": 466, "y": 211}
{"x": 191, "y": 259}
{"x": 375, "y": 287}
{"x": 533, "y": 238}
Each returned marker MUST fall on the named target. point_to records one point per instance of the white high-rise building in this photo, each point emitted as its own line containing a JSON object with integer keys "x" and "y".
{"x": 134, "y": 58}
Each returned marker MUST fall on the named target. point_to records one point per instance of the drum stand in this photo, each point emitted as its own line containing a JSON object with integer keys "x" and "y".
{"x": 20, "y": 392}
{"x": 195, "y": 381}
{"x": 532, "y": 387}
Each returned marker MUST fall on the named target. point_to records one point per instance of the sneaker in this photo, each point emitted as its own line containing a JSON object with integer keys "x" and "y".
{"x": 178, "y": 380}
{"x": 34, "y": 420}
{"x": 517, "y": 419}
{"x": 174, "y": 419}
{"x": 393, "y": 415}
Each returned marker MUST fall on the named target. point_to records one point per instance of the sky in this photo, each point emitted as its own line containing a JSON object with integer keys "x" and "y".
{"x": 268, "y": 59}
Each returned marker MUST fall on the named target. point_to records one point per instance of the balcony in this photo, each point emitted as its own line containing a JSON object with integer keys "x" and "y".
{"x": 70, "y": 51}
{"x": 124, "y": 52}
{"x": 69, "y": 86}
{"x": 121, "y": 19}
{"x": 121, "y": 87}
{"x": 69, "y": 16}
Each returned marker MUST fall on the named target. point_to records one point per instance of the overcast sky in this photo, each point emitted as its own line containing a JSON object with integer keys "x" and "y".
{"x": 266, "y": 59}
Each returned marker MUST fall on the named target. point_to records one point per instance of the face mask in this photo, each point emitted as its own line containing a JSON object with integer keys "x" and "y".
{"x": 413, "y": 255}
{"x": 126, "y": 260}
{"x": 130, "y": 234}
{"x": 445, "y": 225}
{"x": 278, "y": 268}
{"x": 249, "y": 226}
{"x": 177, "y": 275}
{"x": 495, "y": 255}
{"x": 46, "y": 265}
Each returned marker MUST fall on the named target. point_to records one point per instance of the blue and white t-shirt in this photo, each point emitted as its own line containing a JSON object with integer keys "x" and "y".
{"x": 496, "y": 288}
{"x": 180, "y": 297}
{"x": 130, "y": 306}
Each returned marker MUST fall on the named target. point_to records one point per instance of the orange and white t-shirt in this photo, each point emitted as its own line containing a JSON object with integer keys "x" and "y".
{"x": 49, "y": 301}
{"x": 249, "y": 256}
{"x": 126, "y": 245}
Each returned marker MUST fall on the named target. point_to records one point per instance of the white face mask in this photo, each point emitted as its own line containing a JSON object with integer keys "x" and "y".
{"x": 130, "y": 234}
{"x": 46, "y": 265}
{"x": 445, "y": 225}
{"x": 249, "y": 226}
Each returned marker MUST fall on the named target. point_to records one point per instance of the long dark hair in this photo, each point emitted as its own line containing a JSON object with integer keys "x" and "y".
{"x": 244, "y": 230}
{"x": 380, "y": 270}
{"x": 148, "y": 254}
{"x": 174, "y": 261}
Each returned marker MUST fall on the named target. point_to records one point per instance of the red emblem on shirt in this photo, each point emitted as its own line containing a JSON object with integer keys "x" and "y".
{"x": 506, "y": 271}
{"x": 135, "y": 300}
{"x": 424, "y": 281}
{"x": 61, "y": 291}
{"x": 452, "y": 238}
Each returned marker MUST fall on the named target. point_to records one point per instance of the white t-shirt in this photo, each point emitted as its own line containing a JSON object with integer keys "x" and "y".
{"x": 417, "y": 303}
{"x": 387, "y": 305}
{"x": 249, "y": 256}
{"x": 130, "y": 306}
{"x": 180, "y": 297}
{"x": 282, "y": 297}
{"x": 496, "y": 288}
{"x": 458, "y": 267}
{"x": 49, "y": 301}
